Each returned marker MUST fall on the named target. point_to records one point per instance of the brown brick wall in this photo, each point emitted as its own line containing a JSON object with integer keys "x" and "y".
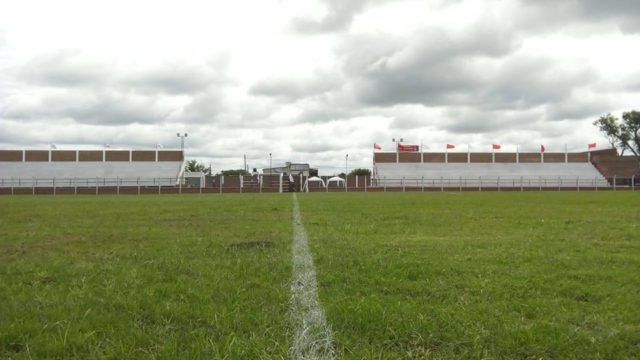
{"x": 170, "y": 155}
{"x": 37, "y": 155}
{"x": 578, "y": 157}
{"x": 63, "y": 155}
{"x": 433, "y": 157}
{"x": 117, "y": 155}
{"x": 10, "y": 155}
{"x": 457, "y": 158}
{"x": 529, "y": 157}
{"x": 409, "y": 157}
{"x": 505, "y": 157}
{"x": 385, "y": 157}
{"x": 139, "y": 155}
{"x": 481, "y": 158}
{"x": 554, "y": 157}
{"x": 90, "y": 155}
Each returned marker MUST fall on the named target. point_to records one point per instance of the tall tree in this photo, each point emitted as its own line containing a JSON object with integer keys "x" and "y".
{"x": 195, "y": 166}
{"x": 625, "y": 134}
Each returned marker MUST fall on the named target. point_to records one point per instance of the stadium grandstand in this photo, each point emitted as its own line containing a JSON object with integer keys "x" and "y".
{"x": 601, "y": 168}
{"x": 50, "y": 168}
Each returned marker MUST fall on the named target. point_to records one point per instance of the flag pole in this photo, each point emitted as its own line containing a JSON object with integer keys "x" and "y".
{"x": 446, "y": 154}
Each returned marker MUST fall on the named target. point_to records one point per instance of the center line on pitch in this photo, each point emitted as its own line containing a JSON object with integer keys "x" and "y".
{"x": 312, "y": 335}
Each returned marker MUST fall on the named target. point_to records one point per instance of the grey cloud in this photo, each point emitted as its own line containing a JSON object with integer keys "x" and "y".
{"x": 464, "y": 120}
{"x": 315, "y": 146}
{"x": 102, "y": 108}
{"x": 339, "y": 15}
{"x": 546, "y": 15}
{"x": 66, "y": 68}
{"x": 291, "y": 89}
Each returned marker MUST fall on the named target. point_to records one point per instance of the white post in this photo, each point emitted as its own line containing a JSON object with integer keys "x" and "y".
{"x": 468, "y": 154}
{"x": 566, "y": 155}
{"x": 365, "y": 183}
{"x": 441, "y": 184}
{"x": 241, "y": 183}
{"x": 493, "y": 155}
{"x": 521, "y": 184}
{"x": 117, "y": 186}
{"x": 559, "y": 183}
{"x": 578, "y": 183}
{"x": 357, "y": 176}
{"x": 498, "y": 183}
{"x": 446, "y": 156}
{"x": 460, "y": 183}
{"x": 221, "y": 183}
{"x": 517, "y": 154}
{"x": 280, "y": 183}
{"x": 384, "y": 178}
{"x": 422, "y": 183}
{"x": 54, "y": 186}
{"x": 614, "y": 183}
{"x": 403, "y": 184}
{"x": 480, "y": 183}
{"x": 633, "y": 183}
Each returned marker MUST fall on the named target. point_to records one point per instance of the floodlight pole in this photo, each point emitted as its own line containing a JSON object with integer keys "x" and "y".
{"x": 397, "y": 150}
{"x": 346, "y": 165}
{"x": 182, "y": 136}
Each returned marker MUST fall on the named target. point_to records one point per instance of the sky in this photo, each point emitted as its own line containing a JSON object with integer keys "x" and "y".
{"x": 313, "y": 81}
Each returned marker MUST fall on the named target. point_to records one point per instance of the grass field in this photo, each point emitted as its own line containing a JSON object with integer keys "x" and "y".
{"x": 442, "y": 275}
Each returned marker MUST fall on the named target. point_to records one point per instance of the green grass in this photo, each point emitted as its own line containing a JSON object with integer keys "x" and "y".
{"x": 144, "y": 277}
{"x": 482, "y": 275}
{"x": 400, "y": 275}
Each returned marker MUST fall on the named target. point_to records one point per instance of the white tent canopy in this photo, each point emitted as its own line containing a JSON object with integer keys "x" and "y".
{"x": 340, "y": 181}
{"x": 312, "y": 179}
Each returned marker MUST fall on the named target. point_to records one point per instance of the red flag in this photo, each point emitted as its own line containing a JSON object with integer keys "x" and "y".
{"x": 450, "y": 146}
{"x": 377, "y": 147}
{"x": 542, "y": 149}
{"x": 408, "y": 147}
{"x": 496, "y": 146}
{"x": 592, "y": 145}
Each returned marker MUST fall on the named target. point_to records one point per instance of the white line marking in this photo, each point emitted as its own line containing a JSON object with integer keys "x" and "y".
{"x": 312, "y": 335}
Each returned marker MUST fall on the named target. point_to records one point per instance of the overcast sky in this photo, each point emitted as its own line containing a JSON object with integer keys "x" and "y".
{"x": 312, "y": 81}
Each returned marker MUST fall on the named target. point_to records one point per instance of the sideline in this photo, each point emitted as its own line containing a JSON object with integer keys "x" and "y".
{"x": 312, "y": 335}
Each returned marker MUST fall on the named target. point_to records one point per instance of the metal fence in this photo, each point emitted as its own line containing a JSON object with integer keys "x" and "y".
{"x": 278, "y": 183}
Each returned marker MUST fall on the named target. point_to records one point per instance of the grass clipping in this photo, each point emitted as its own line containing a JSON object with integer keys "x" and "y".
{"x": 312, "y": 338}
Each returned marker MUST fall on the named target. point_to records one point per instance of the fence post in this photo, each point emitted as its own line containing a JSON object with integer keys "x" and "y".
{"x": 480, "y": 183}
{"x": 595, "y": 183}
{"x": 498, "y": 183}
{"x": 633, "y": 183}
{"x": 346, "y": 183}
{"x": 365, "y": 183}
{"x": 221, "y": 183}
{"x": 280, "y": 184}
{"x": 402, "y": 184}
{"x": 521, "y": 184}
{"x": 441, "y": 183}
{"x": 385, "y": 183}
{"x": 96, "y": 186}
{"x": 422, "y": 183}
{"x": 179, "y": 187}
{"x": 559, "y": 182}
{"x": 578, "y": 183}
{"x": 260, "y": 183}
{"x": 54, "y": 186}
{"x": 540, "y": 183}
{"x": 615, "y": 187}
{"x": 357, "y": 181}
{"x": 460, "y": 182}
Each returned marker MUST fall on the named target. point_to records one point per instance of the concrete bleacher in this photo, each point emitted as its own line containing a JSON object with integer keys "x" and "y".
{"x": 89, "y": 168}
{"x": 489, "y": 174}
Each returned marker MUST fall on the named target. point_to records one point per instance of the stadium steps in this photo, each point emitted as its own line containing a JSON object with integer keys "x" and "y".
{"x": 479, "y": 174}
